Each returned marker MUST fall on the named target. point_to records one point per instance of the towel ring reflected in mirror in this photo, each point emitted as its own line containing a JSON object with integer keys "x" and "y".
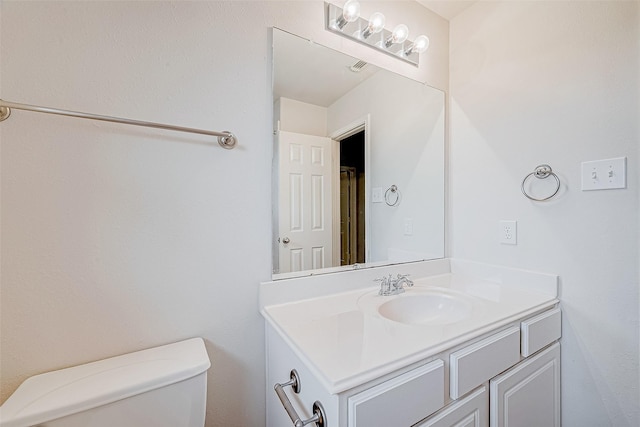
{"x": 541, "y": 172}
{"x": 392, "y": 195}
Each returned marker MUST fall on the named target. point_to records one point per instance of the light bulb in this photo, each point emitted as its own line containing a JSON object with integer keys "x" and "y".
{"x": 419, "y": 45}
{"x": 398, "y": 35}
{"x": 376, "y": 24}
{"x": 350, "y": 13}
{"x": 351, "y": 10}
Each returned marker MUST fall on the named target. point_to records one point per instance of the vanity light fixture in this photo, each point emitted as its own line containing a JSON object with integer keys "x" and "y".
{"x": 350, "y": 13}
{"x": 399, "y": 34}
{"x": 347, "y": 22}
{"x": 419, "y": 45}
{"x": 376, "y": 24}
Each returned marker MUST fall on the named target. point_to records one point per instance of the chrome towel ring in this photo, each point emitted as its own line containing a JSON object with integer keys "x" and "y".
{"x": 389, "y": 198}
{"x": 541, "y": 172}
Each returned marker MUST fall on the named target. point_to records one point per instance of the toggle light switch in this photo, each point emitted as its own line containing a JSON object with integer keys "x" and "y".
{"x": 604, "y": 174}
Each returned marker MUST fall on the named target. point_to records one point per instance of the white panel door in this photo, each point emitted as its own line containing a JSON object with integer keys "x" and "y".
{"x": 305, "y": 224}
{"x": 528, "y": 395}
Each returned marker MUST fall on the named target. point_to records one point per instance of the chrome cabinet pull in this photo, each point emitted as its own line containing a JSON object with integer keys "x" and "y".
{"x": 318, "y": 417}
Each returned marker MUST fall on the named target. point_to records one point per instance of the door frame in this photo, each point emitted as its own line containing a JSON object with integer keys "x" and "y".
{"x": 358, "y": 125}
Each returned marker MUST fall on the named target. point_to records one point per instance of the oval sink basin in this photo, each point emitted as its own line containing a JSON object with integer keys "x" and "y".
{"x": 426, "y": 309}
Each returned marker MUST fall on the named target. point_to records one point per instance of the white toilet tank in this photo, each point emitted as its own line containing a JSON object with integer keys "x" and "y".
{"x": 159, "y": 387}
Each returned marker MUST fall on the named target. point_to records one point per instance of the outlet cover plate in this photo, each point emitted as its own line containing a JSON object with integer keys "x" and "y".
{"x": 604, "y": 174}
{"x": 508, "y": 232}
{"x": 408, "y": 226}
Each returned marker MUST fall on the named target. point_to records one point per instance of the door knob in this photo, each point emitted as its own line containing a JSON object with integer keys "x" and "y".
{"x": 285, "y": 240}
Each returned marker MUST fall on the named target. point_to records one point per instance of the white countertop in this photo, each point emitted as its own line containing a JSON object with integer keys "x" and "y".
{"x": 345, "y": 341}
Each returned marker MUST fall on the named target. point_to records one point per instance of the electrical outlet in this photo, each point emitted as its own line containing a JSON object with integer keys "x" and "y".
{"x": 509, "y": 232}
{"x": 408, "y": 227}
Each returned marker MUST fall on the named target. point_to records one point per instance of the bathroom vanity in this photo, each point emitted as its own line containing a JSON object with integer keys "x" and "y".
{"x": 468, "y": 345}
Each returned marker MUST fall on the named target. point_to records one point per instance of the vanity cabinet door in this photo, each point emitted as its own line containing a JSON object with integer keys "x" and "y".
{"x": 528, "y": 395}
{"x": 472, "y": 411}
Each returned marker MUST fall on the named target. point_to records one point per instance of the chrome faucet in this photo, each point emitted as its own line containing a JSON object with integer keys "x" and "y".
{"x": 393, "y": 286}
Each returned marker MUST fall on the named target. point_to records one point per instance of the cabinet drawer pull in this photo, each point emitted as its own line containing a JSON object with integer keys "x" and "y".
{"x": 318, "y": 417}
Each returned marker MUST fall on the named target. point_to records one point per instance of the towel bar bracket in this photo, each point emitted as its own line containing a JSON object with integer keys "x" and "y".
{"x": 229, "y": 141}
{"x": 4, "y": 113}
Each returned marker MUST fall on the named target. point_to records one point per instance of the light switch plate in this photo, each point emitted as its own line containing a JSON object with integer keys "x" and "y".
{"x": 604, "y": 174}
{"x": 376, "y": 195}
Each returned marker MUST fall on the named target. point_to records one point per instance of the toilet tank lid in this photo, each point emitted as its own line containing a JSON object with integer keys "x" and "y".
{"x": 60, "y": 393}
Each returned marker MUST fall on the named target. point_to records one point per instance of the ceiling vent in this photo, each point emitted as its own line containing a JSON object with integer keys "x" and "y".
{"x": 358, "y": 66}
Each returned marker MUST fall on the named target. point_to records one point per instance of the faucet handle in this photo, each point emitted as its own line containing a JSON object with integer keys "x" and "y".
{"x": 404, "y": 280}
{"x": 385, "y": 284}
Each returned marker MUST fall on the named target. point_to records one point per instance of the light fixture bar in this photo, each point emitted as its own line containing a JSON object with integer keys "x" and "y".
{"x": 380, "y": 40}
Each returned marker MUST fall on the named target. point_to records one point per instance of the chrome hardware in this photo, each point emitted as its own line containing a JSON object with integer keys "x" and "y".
{"x": 389, "y": 199}
{"x": 286, "y": 240}
{"x": 393, "y": 286}
{"x": 541, "y": 172}
{"x": 384, "y": 285}
{"x": 318, "y": 417}
{"x": 226, "y": 139}
{"x": 5, "y": 112}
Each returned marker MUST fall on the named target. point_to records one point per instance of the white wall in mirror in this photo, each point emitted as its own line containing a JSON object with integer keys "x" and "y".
{"x": 407, "y": 140}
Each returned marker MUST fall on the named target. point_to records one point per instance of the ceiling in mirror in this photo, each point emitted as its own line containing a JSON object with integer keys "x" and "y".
{"x": 358, "y": 163}
{"x": 311, "y": 73}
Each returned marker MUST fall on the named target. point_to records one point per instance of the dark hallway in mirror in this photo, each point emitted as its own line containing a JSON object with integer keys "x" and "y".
{"x": 352, "y": 199}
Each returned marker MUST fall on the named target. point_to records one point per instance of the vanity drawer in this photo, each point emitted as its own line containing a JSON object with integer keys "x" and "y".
{"x": 400, "y": 401}
{"x": 477, "y": 363}
{"x": 540, "y": 331}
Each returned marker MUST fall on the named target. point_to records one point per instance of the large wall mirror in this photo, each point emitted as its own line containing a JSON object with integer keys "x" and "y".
{"x": 358, "y": 163}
